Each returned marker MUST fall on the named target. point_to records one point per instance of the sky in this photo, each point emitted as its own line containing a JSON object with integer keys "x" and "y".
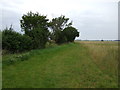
{"x": 94, "y": 19}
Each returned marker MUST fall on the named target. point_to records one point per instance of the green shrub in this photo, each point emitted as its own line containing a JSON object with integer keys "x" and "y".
{"x": 39, "y": 37}
{"x": 70, "y": 33}
{"x": 15, "y": 42}
{"x": 15, "y": 58}
{"x": 50, "y": 43}
{"x": 60, "y": 37}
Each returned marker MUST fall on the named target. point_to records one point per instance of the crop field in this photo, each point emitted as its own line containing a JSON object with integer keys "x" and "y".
{"x": 83, "y": 64}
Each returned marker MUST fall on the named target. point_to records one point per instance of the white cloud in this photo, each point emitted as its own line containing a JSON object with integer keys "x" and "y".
{"x": 91, "y": 17}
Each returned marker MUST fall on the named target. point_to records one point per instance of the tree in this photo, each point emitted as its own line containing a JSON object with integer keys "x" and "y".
{"x": 40, "y": 37}
{"x": 60, "y": 37}
{"x": 57, "y": 25}
{"x": 0, "y": 40}
{"x": 35, "y": 26}
{"x": 70, "y": 33}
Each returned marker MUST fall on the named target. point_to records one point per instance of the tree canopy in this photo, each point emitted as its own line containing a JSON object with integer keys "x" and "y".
{"x": 31, "y": 21}
{"x": 62, "y": 31}
{"x": 70, "y": 33}
{"x": 59, "y": 23}
{"x": 36, "y": 26}
{"x": 36, "y": 32}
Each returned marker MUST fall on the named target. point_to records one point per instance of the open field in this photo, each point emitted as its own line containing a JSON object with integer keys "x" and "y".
{"x": 83, "y": 64}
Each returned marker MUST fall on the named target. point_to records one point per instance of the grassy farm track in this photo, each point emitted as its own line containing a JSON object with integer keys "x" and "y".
{"x": 65, "y": 66}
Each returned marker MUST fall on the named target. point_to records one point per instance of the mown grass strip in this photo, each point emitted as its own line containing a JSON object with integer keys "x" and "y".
{"x": 65, "y": 66}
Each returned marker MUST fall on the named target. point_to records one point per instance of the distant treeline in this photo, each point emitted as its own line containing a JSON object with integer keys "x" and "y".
{"x": 98, "y": 40}
{"x": 38, "y": 30}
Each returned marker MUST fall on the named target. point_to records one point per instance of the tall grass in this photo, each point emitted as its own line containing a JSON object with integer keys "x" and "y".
{"x": 104, "y": 55}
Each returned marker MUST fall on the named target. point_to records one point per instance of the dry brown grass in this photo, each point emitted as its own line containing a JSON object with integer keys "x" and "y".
{"x": 104, "y": 55}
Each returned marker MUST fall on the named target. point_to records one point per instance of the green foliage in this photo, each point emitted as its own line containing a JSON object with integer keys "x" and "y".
{"x": 70, "y": 33}
{"x": 25, "y": 43}
{"x": 60, "y": 37}
{"x": 40, "y": 37}
{"x": 16, "y": 58}
{"x": 31, "y": 21}
{"x": 50, "y": 43}
{"x": 15, "y": 42}
{"x": 57, "y": 25}
{"x": 0, "y": 39}
{"x": 62, "y": 31}
{"x": 35, "y": 26}
{"x": 37, "y": 34}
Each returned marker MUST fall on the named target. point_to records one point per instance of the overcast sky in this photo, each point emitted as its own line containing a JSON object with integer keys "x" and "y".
{"x": 95, "y": 19}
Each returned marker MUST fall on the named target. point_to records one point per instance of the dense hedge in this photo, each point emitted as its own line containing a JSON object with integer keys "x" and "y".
{"x": 15, "y": 42}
